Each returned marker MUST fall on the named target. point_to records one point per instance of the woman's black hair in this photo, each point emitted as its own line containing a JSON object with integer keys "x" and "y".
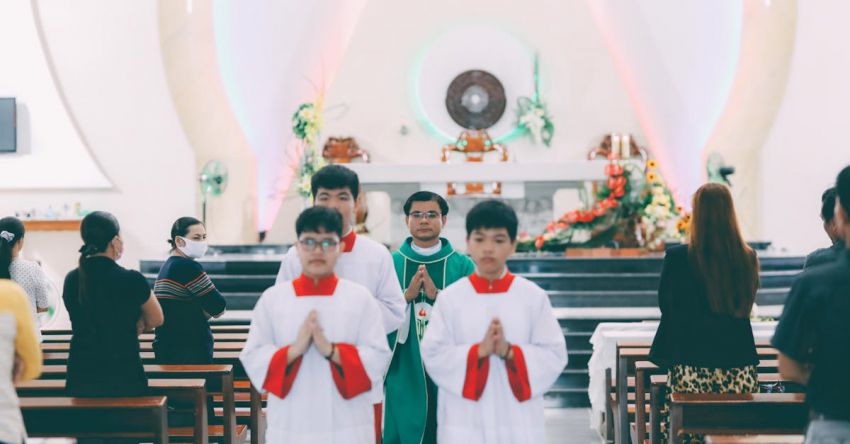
{"x": 180, "y": 227}
{"x": 97, "y": 230}
{"x": 11, "y": 232}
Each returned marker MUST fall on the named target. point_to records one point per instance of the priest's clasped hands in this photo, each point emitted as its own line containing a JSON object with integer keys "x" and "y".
{"x": 421, "y": 281}
{"x": 494, "y": 342}
{"x": 311, "y": 333}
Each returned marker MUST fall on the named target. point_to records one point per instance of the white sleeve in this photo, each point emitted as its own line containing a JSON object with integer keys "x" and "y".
{"x": 372, "y": 343}
{"x": 389, "y": 295}
{"x": 260, "y": 347}
{"x": 546, "y": 354}
{"x": 444, "y": 359}
{"x": 290, "y": 267}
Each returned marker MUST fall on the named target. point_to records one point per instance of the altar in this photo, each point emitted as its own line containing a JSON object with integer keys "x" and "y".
{"x": 519, "y": 180}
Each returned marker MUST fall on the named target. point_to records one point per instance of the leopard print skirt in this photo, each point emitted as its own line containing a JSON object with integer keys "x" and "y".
{"x": 688, "y": 379}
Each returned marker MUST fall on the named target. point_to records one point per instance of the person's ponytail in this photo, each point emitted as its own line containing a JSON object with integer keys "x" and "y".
{"x": 11, "y": 232}
{"x": 97, "y": 230}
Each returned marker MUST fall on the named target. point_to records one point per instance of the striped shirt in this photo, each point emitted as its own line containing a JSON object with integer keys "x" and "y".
{"x": 188, "y": 297}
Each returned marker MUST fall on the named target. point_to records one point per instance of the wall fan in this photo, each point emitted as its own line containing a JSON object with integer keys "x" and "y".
{"x": 717, "y": 169}
{"x": 213, "y": 182}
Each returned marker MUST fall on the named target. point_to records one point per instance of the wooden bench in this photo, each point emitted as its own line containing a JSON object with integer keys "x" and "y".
{"x": 219, "y": 381}
{"x": 755, "y": 439}
{"x": 733, "y": 414}
{"x": 181, "y": 393}
{"x": 149, "y": 337}
{"x": 216, "y": 328}
{"x": 142, "y": 417}
{"x": 627, "y": 355}
{"x": 645, "y": 369}
{"x": 145, "y": 346}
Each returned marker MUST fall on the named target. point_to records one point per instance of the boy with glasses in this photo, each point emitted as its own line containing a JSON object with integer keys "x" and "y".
{"x": 316, "y": 344}
{"x": 362, "y": 260}
{"x": 425, "y": 264}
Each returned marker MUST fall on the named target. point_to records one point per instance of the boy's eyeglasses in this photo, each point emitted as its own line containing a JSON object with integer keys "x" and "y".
{"x": 430, "y": 215}
{"x": 326, "y": 245}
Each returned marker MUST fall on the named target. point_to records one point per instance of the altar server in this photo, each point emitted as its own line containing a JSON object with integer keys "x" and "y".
{"x": 493, "y": 345}
{"x": 426, "y": 264}
{"x": 317, "y": 346}
{"x": 363, "y": 260}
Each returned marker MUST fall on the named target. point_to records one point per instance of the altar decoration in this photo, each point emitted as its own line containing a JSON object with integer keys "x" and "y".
{"x": 474, "y": 144}
{"x": 307, "y": 122}
{"x": 532, "y": 115}
{"x": 632, "y": 208}
{"x": 343, "y": 150}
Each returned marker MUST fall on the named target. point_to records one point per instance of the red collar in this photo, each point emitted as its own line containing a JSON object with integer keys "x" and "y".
{"x": 500, "y": 285}
{"x": 305, "y": 286}
{"x": 349, "y": 241}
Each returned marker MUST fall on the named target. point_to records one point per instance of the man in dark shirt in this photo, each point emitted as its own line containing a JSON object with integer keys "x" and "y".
{"x": 813, "y": 335}
{"x": 827, "y": 214}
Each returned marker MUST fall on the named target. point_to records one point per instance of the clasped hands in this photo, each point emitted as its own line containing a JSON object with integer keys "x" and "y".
{"x": 421, "y": 281}
{"x": 494, "y": 342}
{"x": 311, "y": 333}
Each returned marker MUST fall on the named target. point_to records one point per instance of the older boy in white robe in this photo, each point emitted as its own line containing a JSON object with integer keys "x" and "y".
{"x": 493, "y": 345}
{"x": 317, "y": 345}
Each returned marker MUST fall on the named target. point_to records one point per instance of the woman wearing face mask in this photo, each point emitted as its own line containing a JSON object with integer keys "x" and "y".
{"x": 109, "y": 306}
{"x": 188, "y": 298}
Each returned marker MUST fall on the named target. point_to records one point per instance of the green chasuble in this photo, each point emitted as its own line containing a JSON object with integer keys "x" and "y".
{"x": 410, "y": 396}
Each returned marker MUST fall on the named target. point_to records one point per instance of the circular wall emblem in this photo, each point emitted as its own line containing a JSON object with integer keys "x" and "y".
{"x": 476, "y": 99}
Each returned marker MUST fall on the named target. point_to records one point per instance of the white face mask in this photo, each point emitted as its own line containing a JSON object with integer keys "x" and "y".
{"x": 193, "y": 249}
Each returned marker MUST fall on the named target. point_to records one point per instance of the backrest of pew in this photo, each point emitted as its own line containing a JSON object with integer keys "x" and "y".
{"x": 142, "y": 417}
{"x": 737, "y": 414}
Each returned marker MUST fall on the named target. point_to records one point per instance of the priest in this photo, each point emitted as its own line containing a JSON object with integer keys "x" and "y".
{"x": 317, "y": 346}
{"x": 493, "y": 345}
{"x": 425, "y": 264}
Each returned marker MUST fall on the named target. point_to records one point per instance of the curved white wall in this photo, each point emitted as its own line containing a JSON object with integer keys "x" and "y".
{"x": 51, "y": 153}
{"x": 109, "y": 68}
{"x": 806, "y": 148}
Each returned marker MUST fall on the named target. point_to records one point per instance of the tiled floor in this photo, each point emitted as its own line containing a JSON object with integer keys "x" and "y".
{"x": 570, "y": 426}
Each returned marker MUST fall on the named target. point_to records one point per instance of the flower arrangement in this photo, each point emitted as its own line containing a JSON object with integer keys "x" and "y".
{"x": 631, "y": 198}
{"x": 307, "y": 122}
{"x": 532, "y": 115}
{"x": 660, "y": 218}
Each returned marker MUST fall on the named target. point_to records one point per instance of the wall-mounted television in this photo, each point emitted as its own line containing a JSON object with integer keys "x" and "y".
{"x": 8, "y": 125}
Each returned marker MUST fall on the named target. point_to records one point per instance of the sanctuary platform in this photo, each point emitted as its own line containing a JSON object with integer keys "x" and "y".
{"x": 584, "y": 292}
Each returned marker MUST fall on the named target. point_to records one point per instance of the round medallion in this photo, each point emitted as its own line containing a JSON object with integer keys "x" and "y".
{"x": 476, "y": 99}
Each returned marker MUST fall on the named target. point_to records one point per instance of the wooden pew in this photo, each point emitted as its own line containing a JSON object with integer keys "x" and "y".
{"x": 645, "y": 369}
{"x": 755, "y": 439}
{"x": 216, "y": 328}
{"x": 658, "y": 391}
{"x": 179, "y": 392}
{"x": 626, "y": 357}
{"x": 149, "y": 337}
{"x": 731, "y": 414}
{"x": 143, "y": 417}
{"x": 145, "y": 346}
{"x": 219, "y": 381}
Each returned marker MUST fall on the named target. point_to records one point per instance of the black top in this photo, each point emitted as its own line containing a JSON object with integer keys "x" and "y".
{"x": 104, "y": 356}
{"x": 814, "y": 329}
{"x": 689, "y": 332}
{"x": 824, "y": 255}
{"x": 188, "y": 297}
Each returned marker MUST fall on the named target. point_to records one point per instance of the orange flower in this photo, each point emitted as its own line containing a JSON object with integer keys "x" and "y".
{"x": 539, "y": 242}
{"x": 651, "y": 164}
{"x": 652, "y": 177}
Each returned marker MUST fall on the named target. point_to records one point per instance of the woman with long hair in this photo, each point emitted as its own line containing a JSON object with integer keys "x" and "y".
{"x": 27, "y": 274}
{"x": 706, "y": 294}
{"x": 109, "y": 307}
{"x": 188, "y": 298}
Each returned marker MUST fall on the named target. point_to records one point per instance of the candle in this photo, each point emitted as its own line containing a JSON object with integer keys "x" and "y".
{"x": 626, "y": 146}
{"x": 615, "y": 144}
